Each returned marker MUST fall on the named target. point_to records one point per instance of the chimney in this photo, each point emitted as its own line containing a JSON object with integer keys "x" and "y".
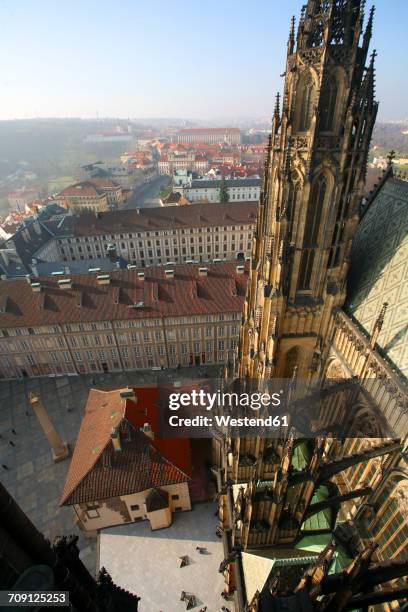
{"x": 141, "y": 276}
{"x": 65, "y": 283}
{"x": 115, "y": 437}
{"x": 202, "y": 271}
{"x": 103, "y": 279}
{"x": 148, "y": 431}
{"x": 240, "y": 269}
{"x": 169, "y": 273}
{"x": 34, "y": 267}
{"x": 35, "y": 286}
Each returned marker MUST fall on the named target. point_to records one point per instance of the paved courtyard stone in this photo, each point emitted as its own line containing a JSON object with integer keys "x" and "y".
{"x": 135, "y": 556}
{"x": 31, "y": 477}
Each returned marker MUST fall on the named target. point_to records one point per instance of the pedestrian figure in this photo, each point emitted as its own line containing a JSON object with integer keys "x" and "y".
{"x": 13, "y": 431}
{"x": 11, "y": 443}
{"x": 4, "y": 466}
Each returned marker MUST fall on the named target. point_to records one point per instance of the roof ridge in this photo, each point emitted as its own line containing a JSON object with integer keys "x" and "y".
{"x": 149, "y": 447}
{"x": 97, "y": 455}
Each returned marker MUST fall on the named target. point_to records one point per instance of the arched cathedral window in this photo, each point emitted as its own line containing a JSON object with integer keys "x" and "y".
{"x": 311, "y": 234}
{"x": 306, "y": 106}
{"x": 314, "y": 212}
{"x": 328, "y": 105}
{"x": 294, "y": 192}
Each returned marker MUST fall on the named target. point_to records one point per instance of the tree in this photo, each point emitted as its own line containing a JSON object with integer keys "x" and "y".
{"x": 224, "y": 195}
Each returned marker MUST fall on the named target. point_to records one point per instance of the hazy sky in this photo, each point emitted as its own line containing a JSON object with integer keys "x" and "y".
{"x": 185, "y": 58}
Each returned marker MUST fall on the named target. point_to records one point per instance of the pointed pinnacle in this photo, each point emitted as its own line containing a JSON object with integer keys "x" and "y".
{"x": 371, "y": 17}
{"x": 380, "y": 319}
{"x": 292, "y": 28}
{"x": 276, "y": 112}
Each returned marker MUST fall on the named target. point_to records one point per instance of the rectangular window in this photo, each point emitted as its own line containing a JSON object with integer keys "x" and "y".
{"x": 134, "y": 507}
{"x": 92, "y": 510}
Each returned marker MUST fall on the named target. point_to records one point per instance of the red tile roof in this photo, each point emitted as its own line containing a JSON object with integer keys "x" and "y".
{"x": 151, "y": 219}
{"x": 223, "y": 290}
{"x": 80, "y": 190}
{"x": 98, "y": 472}
{"x": 176, "y": 198}
{"x": 90, "y": 188}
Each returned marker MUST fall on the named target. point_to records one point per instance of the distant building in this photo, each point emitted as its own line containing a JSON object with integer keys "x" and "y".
{"x": 131, "y": 475}
{"x": 182, "y": 160}
{"x": 17, "y": 252}
{"x": 209, "y": 135}
{"x": 239, "y": 190}
{"x": 174, "y": 199}
{"x": 122, "y": 320}
{"x": 116, "y": 135}
{"x": 151, "y": 236}
{"x": 97, "y": 194}
{"x": 20, "y": 197}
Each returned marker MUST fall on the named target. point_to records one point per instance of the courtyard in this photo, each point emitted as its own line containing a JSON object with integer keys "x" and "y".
{"x": 147, "y": 562}
{"x": 27, "y": 469}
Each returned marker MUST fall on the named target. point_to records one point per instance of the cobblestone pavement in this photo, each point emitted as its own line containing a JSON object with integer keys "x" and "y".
{"x": 31, "y": 476}
{"x": 150, "y": 567}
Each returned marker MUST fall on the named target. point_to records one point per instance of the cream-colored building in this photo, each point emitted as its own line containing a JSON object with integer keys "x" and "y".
{"x": 154, "y": 236}
{"x": 125, "y": 320}
{"x": 120, "y": 471}
{"x": 96, "y": 194}
{"x": 182, "y": 160}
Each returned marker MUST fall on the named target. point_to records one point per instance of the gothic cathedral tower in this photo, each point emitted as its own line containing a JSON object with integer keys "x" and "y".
{"x": 314, "y": 180}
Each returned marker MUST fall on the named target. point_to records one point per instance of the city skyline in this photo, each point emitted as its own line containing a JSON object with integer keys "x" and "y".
{"x": 76, "y": 61}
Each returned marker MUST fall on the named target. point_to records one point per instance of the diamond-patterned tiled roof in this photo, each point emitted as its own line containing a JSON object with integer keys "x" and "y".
{"x": 379, "y": 270}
